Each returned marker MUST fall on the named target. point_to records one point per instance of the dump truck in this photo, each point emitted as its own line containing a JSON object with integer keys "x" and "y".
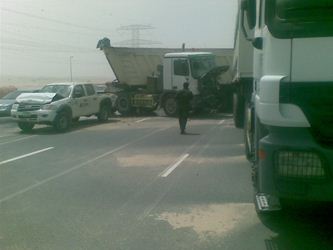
{"x": 148, "y": 78}
{"x": 283, "y": 98}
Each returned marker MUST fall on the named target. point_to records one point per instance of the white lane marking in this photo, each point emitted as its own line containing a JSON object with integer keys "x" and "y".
{"x": 142, "y": 120}
{"x": 221, "y": 122}
{"x": 3, "y": 143}
{"x": 26, "y": 155}
{"x": 40, "y": 183}
{"x": 168, "y": 171}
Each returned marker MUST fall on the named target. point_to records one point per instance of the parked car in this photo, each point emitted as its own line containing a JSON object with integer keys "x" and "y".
{"x": 8, "y": 100}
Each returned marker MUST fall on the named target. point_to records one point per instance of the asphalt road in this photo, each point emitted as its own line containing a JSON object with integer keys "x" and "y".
{"x": 136, "y": 183}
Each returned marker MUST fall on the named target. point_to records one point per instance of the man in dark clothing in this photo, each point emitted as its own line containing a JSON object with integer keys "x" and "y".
{"x": 183, "y": 99}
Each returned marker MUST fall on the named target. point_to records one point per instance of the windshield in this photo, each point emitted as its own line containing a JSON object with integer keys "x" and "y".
{"x": 201, "y": 65}
{"x": 63, "y": 90}
{"x": 299, "y": 18}
{"x": 12, "y": 95}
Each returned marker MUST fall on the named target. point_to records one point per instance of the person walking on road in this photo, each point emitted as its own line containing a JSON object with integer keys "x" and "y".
{"x": 183, "y": 99}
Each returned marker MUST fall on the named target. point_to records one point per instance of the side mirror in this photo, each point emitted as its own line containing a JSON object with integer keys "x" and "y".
{"x": 248, "y": 8}
{"x": 258, "y": 43}
{"x": 251, "y": 13}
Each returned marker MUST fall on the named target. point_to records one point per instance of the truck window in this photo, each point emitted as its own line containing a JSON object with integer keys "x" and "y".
{"x": 201, "y": 65}
{"x": 299, "y": 18}
{"x": 90, "y": 89}
{"x": 78, "y": 91}
{"x": 180, "y": 67}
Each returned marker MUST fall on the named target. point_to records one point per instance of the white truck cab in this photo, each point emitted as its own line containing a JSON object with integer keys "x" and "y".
{"x": 186, "y": 66}
{"x": 288, "y": 119}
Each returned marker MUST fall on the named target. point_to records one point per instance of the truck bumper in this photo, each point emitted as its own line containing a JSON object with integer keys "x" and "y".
{"x": 293, "y": 165}
{"x": 38, "y": 116}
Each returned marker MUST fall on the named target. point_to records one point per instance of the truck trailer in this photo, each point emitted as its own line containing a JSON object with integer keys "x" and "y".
{"x": 283, "y": 98}
{"x": 149, "y": 77}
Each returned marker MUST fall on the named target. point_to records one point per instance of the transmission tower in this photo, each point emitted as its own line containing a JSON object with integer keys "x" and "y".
{"x": 135, "y": 40}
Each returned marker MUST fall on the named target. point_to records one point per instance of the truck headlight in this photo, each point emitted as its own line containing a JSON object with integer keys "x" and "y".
{"x": 49, "y": 107}
{"x": 307, "y": 165}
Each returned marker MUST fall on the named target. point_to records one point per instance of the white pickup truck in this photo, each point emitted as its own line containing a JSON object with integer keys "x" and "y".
{"x": 58, "y": 104}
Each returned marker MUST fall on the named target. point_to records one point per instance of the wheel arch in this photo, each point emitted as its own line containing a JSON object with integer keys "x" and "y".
{"x": 165, "y": 94}
{"x": 106, "y": 101}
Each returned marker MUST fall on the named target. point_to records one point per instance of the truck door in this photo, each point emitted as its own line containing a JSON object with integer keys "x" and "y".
{"x": 92, "y": 99}
{"x": 181, "y": 72}
{"x": 80, "y": 102}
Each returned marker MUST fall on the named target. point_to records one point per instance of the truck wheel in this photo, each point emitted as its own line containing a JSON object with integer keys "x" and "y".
{"x": 170, "y": 106}
{"x": 238, "y": 110}
{"x": 249, "y": 132}
{"x": 25, "y": 126}
{"x": 62, "y": 122}
{"x": 124, "y": 104}
{"x": 103, "y": 114}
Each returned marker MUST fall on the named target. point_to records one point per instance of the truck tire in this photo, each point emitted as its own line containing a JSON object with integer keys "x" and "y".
{"x": 62, "y": 121}
{"x": 170, "y": 106}
{"x": 238, "y": 110}
{"x": 124, "y": 104}
{"x": 249, "y": 132}
{"x": 103, "y": 114}
{"x": 25, "y": 126}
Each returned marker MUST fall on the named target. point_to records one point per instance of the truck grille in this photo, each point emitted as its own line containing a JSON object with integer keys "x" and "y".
{"x": 28, "y": 107}
{"x": 298, "y": 164}
{"x": 315, "y": 100}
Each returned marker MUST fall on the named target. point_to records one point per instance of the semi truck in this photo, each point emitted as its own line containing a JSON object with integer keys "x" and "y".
{"x": 149, "y": 77}
{"x": 283, "y": 98}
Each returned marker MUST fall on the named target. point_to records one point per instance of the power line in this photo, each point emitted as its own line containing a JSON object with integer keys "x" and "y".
{"x": 44, "y": 45}
{"x": 47, "y": 29}
{"x": 135, "y": 30}
{"x": 13, "y": 54}
{"x": 51, "y": 20}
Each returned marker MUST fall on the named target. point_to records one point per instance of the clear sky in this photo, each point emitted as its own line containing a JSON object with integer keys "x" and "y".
{"x": 38, "y": 37}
